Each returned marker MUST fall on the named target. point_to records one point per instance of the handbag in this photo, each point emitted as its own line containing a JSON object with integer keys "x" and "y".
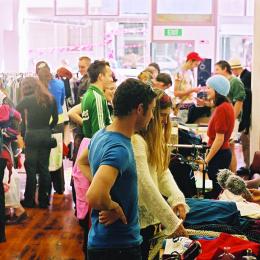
{"x": 196, "y": 112}
{"x": 56, "y": 154}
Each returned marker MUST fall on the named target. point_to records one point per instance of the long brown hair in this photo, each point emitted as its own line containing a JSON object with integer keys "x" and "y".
{"x": 45, "y": 76}
{"x": 158, "y": 136}
{"x": 42, "y": 94}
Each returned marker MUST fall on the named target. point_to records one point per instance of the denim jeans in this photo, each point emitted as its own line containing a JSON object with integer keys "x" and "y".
{"x": 131, "y": 253}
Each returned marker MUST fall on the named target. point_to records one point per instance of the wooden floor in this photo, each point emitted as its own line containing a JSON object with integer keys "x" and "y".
{"x": 48, "y": 234}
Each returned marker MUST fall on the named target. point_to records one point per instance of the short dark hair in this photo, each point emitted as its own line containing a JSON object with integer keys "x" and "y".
{"x": 130, "y": 94}
{"x": 85, "y": 58}
{"x": 155, "y": 65}
{"x": 223, "y": 64}
{"x": 165, "y": 78}
{"x": 219, "y": 99}
{"x": 95, "y": 68}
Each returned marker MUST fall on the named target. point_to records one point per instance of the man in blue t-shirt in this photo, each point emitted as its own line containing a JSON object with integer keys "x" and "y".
{"x": 113, "y": 188}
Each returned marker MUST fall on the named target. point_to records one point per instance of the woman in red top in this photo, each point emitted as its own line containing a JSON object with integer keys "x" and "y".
{"x": 219, "y": 130}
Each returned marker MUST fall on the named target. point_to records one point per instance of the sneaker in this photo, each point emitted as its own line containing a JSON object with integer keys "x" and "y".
{"x": 17, "y": 219}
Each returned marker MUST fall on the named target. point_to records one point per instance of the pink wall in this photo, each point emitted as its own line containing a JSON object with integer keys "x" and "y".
{"x": 9, "y": 38}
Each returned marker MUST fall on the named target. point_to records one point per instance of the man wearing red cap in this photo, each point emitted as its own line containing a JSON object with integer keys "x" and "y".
{"x": 184, "y": 86}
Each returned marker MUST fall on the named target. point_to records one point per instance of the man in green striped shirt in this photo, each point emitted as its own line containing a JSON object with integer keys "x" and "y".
{"x": 95, "y": 113}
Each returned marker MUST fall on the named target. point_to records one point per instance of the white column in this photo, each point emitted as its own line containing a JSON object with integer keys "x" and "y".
{"x": 255, "y": 130}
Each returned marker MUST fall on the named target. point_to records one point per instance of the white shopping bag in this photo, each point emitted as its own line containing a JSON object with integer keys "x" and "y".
{"x": 12, "y": 196}
{"x": 56, "y": 155}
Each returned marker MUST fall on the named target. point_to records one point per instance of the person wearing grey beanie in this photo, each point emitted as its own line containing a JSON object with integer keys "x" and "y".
{"x": 220, "y": 127}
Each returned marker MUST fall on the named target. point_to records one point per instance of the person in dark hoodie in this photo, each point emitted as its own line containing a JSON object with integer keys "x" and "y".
{"x": 245, "y": 123}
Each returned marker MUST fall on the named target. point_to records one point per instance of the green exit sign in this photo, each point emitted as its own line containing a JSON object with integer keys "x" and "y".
{"x": 172, "y": 32}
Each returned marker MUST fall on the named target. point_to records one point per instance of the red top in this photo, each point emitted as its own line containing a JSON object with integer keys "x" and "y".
{"x": 222, "y": 122}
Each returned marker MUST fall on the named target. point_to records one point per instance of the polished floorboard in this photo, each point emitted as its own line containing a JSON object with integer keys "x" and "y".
{"x": 52, "y": 234}
{"x": 48, "y": 234}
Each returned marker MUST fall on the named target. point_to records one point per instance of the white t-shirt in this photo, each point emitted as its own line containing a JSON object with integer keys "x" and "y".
{"x": 186, "y": 79}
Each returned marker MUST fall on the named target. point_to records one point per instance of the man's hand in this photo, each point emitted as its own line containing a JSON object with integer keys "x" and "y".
{"x": 200, "y": 102}
{"x": 196, "y": 89}
{"x": 179, "y": 232}
{"x": 108, "y": 217}
{"x": 180, "y": 211}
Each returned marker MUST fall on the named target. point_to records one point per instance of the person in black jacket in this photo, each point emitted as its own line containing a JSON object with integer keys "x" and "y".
{"x": 245, "y": 123}
{"x": 42, "y": 117}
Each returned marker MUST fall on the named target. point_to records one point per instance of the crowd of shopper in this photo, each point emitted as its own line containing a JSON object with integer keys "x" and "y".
{"x": 124, "y": 157}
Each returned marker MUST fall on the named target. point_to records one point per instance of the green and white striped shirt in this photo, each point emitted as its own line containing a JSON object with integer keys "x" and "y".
{"x": 95, "y": 111}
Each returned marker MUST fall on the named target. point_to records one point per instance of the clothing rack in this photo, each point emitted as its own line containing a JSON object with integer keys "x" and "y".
{"x": 11, "y": 83}
{"x": 201, "y": 147}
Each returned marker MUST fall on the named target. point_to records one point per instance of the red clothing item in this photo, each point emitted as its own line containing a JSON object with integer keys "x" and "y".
{"x": 222, "y": 122}
{"x": 6, "y": 111}
{"x": 211, "y": 249}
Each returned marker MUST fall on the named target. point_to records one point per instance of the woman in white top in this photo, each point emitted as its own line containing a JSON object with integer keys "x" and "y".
{"x": 155, "y": 180}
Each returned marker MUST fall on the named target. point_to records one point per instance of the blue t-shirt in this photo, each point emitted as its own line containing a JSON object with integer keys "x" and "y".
{"x": 57, "y": 89}
{"x": 114, "y": 149}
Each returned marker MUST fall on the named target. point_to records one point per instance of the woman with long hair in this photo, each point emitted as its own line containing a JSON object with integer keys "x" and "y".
{"x": 42, "y": 117}
{"x": 155, "y": 179}
{"x": 220, "y": 128}
{"x": 57, "y": 89}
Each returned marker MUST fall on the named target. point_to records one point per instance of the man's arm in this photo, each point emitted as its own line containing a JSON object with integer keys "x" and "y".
{"x": 182, "y": 93}
{"x": 238, "y": 108}
{"x": 98, "y": 194}
{"x": 75, "y": 114}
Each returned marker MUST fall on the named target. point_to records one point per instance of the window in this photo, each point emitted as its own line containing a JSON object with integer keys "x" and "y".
{"x": 250, "y": 4}
{"x": 231, "y": 7}
{"x": 184, "y": 11}
{"x": 134, "y": 7}
{"x": 70, "y": 7}
{"x": 102, "y": 7}
{"x": 170, "y": 56}
{"x": 184, "y": 7}
{"x": 237, "y": 47}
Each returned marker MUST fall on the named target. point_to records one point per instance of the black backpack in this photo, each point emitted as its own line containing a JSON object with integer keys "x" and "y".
{"x": 188, "y": 137}
{"x": 183, "y": 174}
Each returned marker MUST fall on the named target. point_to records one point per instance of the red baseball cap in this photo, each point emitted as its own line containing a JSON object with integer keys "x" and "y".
{"x": 194, "y": 56}
{"x": 63, "y": 72}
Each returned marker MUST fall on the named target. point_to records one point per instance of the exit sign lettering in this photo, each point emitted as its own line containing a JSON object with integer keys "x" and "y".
{"x": 172, "y": 32}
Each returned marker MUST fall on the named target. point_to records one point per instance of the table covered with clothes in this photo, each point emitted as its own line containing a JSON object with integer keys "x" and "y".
{"x": 217, "y": 224}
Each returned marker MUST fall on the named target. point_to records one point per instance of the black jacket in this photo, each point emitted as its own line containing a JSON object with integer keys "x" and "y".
{"x": 247, "y": 104}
